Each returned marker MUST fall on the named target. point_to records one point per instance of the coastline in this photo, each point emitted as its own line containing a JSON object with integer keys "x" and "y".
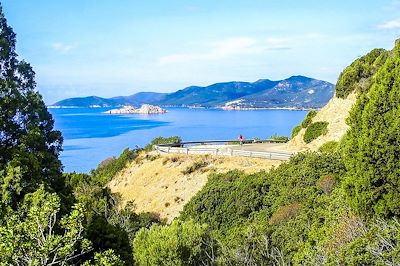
{"x": 202, "y": 108}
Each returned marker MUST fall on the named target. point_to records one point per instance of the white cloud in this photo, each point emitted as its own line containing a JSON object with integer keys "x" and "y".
{"x": 228, "y": 48}
{"x": 277, "y": 43}
{"x": 62, "y": 47}
{"x": 392, "y": 24}
{"x": 217, "y": 50}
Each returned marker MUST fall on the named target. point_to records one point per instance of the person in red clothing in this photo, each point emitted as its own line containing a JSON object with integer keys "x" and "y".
{"x": 241, "y": 139}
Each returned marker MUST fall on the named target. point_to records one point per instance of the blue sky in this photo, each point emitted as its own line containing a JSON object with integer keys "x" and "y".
{"x": 109, "y": 48}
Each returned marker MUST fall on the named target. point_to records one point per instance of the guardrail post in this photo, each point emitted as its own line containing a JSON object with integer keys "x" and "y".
{"x": 270, "y": 156}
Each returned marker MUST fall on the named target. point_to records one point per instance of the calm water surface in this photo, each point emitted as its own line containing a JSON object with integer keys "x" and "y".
{"x": 91, "y": 136}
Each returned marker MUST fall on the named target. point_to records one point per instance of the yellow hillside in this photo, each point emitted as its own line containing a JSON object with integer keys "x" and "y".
{"x": 335, "y": 113}
{"x": 164, "y": 184}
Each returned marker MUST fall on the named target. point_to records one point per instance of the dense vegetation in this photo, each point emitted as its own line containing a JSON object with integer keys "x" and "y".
{"x": 338, "y": 206}
{"x": 162, "y": 140}
{"x": 296, "y": 131}
{"x": 359, "y": 75}
{"x": 307, "y": 121}
{"x": 314, "y": 130}
{"x": 279, "y": 138}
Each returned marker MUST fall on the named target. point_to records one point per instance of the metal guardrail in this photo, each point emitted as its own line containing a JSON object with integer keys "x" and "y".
{"x": 164, "y": 148}
{"x": 245, "y": 141}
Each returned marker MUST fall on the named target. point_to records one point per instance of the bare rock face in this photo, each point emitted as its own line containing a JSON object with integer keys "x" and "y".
{"x": 144, "y": 109}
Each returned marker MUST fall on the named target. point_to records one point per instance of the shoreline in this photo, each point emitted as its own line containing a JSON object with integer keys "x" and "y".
{"x": 200, "y": 108}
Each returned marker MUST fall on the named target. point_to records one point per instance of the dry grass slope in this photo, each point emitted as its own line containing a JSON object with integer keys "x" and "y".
{"x": 164, "y": 184}
{"x": 335, "y": 113}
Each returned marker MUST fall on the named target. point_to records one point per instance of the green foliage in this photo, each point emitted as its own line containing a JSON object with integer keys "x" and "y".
{"x": 286, "y": 205}
{"x": 29, "y": 147}
{"x": 372, "y": 145}
{"x": 106, "y": 236}
{"x": 162, "y": 140}
{"x": 308, "y": 118}
{"x": 327, "y": 183}
{"x": 296, "y": 131}
{"x": 108, "y": 226}
{"x": 111, "y": 166}
{"x": 181, "y": 243}
{"x": 355, "y": 242}
{"x": 329, "y": 147}
{"x": 285, "y": 213}
{"x": 34, "y": 235}
{"x": 227, "y": 199}
{"x": 106, "y": 258}
{"x": 314, "y": 130}
{"x": 359, "y": 75}
{"x": 277, "y": 137}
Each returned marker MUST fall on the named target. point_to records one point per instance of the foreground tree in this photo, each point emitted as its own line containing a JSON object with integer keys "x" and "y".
{"x": 35, "y": 235}
{"x": 29, "y": 146}
{"x": 181, "y": 243}
{"x": 372, "y": 146}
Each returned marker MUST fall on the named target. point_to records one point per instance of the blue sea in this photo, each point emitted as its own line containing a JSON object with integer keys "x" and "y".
{"x": 91, "y": 136}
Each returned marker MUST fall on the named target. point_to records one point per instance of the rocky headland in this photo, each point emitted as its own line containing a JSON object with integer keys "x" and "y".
{"x": 144, "y": 109}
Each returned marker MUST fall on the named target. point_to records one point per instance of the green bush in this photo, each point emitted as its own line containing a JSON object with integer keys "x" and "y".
{"x": 162, "y": 140}
{"x": 329, "y": 147}
{"x": 327, "y": 184}
{"x": 280, "y": 138}
{"x": 315, "y": 130}
{"x": 285, "y": 213}
{"x": 111, "y": 166}
{"x": 180, "y": 243}
{"x": 372, "y": 149}
{"x": 308, "y": 118}
{"x": 296, "y": 130}
{"x": 227, "y": 199}
{"x": 359, "y": 75}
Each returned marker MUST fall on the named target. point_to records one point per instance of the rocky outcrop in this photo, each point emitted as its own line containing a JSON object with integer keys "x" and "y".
{"x": 145, "y": 109}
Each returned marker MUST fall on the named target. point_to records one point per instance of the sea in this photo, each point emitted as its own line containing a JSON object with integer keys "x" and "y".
{"x": 90, "y": 135}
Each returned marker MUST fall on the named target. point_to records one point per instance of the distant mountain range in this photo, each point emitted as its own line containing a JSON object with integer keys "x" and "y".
{"x": 293, "y": 92}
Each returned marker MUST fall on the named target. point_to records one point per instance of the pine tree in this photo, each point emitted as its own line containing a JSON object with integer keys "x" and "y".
{"x": 372, "y": 145}
{"x": 29, "y": 146}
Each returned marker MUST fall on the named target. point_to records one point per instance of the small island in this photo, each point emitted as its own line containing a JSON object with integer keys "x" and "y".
{"x": 144, "y": 109}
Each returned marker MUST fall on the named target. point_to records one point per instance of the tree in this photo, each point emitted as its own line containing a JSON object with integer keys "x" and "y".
{"x": 181, "y": 243}
{"x": 372, "y": 145}
{"x": 35, "y": 235}
{"x": 28, "y": 143}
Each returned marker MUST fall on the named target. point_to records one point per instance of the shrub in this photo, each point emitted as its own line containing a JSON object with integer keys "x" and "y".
{"x": 285, "y": 213}
{"x": 358, "y": 76}
{"x": 277, "y": 137}
{"x": 308, "y": 118}
{"x": 296, "y": 131}
{"x": 326, "y": 184}
{"x": 103, "y": 164}
{"x": 227, "y": 199}
{"x": 110, "y": 167}
{"x": 329, "y": 147}
{"x": 371, "y": 148}
{"x": 194, "y": 167}
{"x": 162, "y": 140}
{"x": 315, "y": 130}
{"x": 181, "y": 243}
